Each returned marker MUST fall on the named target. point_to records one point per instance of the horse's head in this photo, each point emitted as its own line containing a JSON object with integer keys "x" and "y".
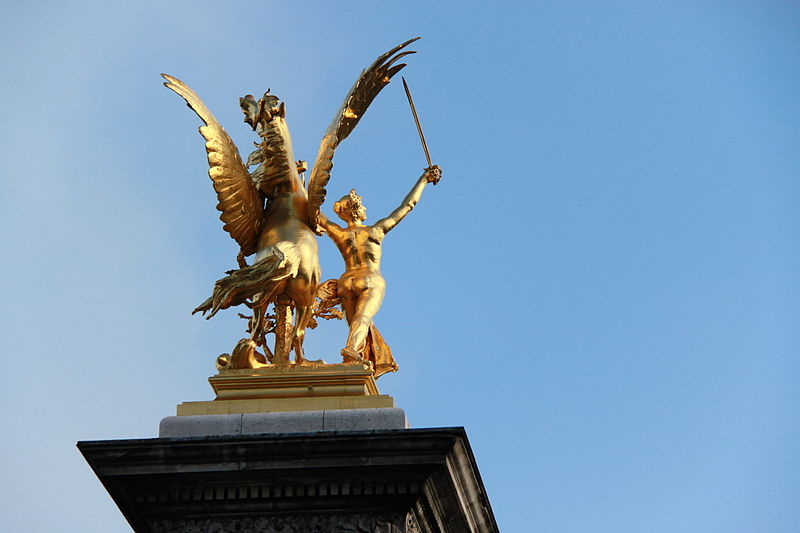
{"x": 259, "y": 113}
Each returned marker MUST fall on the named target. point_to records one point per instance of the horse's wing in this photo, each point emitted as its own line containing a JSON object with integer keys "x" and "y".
{"x": 239, "y": 201}
{"x": 369, "y": 84}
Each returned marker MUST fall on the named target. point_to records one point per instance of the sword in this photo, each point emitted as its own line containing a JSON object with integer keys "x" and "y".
{"x": 419, "y": 127}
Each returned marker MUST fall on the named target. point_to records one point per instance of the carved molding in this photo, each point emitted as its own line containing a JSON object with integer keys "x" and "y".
{"x": 272, "y": 492}
{"x": 318, "y": 523}
{"x": 412, "y": 526}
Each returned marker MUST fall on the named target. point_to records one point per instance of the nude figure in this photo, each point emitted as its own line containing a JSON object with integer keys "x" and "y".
{"x": 361, "y": 288}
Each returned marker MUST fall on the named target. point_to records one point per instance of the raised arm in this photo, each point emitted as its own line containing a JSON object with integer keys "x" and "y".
{"x": 431, "y": 175}
{"x": 329, "y": 226}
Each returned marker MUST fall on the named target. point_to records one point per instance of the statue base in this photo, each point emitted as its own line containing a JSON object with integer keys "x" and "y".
{"x": 291, "y": 387}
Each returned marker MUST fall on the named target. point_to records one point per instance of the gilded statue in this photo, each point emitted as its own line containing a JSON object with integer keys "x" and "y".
{"x": 274, "y": 215}
{"x": 361, "y": 288}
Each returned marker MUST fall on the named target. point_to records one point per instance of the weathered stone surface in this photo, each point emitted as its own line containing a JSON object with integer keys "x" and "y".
{"x": 299, "y": 422}
{"x": 361, "y": 419}
{"x": 292, "y": 422}
{"x": 195, "y": 426}
{"x": 388, "y": 481}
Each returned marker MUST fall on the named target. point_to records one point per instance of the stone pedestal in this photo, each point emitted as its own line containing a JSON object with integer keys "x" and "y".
{"x": 294, "y": 449}
{"x": 291, "y": 422}
{"x": 379, "y": 481}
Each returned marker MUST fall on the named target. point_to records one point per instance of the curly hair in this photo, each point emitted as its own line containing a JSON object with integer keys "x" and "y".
{"x": 348, "y": 207}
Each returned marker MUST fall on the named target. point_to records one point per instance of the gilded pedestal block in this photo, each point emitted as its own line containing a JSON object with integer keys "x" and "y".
{"x": 291, "y": 388}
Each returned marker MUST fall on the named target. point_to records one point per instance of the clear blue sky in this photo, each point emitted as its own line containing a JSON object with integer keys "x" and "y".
{"x": 603, "y": 289}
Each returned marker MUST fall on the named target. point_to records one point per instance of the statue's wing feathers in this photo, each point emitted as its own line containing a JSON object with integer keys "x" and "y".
{"x": 239, "y": 201}
{"x": 320, "y": 175}
{"x": 369, "y": 84}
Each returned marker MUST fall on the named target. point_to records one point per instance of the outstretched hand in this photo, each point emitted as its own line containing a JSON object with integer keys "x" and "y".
{"x": 433, "y": 174}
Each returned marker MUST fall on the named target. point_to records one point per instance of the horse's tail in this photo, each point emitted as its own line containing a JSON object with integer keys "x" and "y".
{"x": 265, "y": 276}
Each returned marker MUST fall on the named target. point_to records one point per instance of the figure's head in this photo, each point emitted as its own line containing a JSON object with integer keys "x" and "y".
{"x": 350, "y": 209}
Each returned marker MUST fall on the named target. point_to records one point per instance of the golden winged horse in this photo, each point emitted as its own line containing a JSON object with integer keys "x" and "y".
{"x": 270, "y": 213}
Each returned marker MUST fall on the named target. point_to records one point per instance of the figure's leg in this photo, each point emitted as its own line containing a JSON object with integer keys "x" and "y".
{"x": 348, "y": 298}
{"x": 365, "y": 309}
{"x": 348, "y": 302}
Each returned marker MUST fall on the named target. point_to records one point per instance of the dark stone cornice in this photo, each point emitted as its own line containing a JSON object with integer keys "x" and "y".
{"x": 429, "y": 473}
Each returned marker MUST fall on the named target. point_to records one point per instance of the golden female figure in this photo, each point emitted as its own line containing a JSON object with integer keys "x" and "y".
{"x": 361, "y": 288}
